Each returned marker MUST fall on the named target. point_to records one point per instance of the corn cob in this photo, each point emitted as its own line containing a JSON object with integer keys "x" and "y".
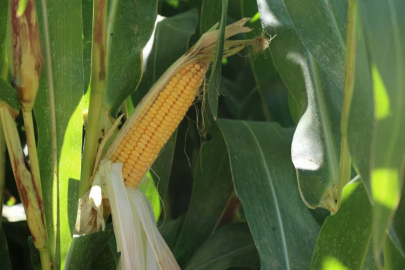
{"x": 157, "y": 122}
{"x": 137, "y": 145}
{"x": 159, "y": 113}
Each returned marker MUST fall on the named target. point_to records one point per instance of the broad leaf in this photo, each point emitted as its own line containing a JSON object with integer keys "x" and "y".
{"x": 130, "y": 25}
{"x": 170, "y": 230}
{"x": 240, "y": 102}
{"x": 211, "y": 11}
{"x": 230, "y": 246}
{"x": 62, "y": 124}
{"x": 212, "y": 189}
{"x": 105, "y": 260}
{"x": 171, "y": 40}
{"x": 386, "y": 66}
{"x": 282, "y": 227}
{"x": 361, "y": 118}
{"x": 315, "y": 100}
{"x": 344, "y": 238}
{"x": 321, "y": 26}
{"x": 85, "y": 249}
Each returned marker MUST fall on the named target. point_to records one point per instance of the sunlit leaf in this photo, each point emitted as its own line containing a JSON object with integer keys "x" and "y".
{"x": 321, "y": 26}
{"x": 345, "y": 237}
{"x": 315, "y": 100}
{"x": 386, "y": 66}
{"x": 65, "y": 79}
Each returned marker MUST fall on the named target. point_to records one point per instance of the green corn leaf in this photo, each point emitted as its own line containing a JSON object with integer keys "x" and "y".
{"x": 321, "y": 26}
{"x": 86, "y": 248}
{"x": 315, "y": 102}
{"x": 345, "y": 237}
{"x": 230, "y": 246}
{"x": 62, "y": 76}
{"x": 4, "y": 253}
{"x": 130, "y": 25}
{"x": 386, "y": 66}
{"x": 282, "y": 227}
{"x": 212, "y": 179}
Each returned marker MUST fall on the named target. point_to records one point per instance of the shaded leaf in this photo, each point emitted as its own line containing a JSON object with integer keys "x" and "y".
{"x": 315, "y": 100}
{"x": 4, "y": 256}
{"x": 130, "y": 25}
{"x": 34, "y": 254}
{"x": 84, "y": 249}
{"x": 282, "y": 227}
{"x": 344, "y": 237}
{"x": 262, "y": 64}
{"x": 230, "y": 246}
{"x": 170, "y": 230}
{"x": 105, "y": 260}
{"x": 242, "y": 104}
{"x": 212, "y": 189}
{"x": 211, "y": 11}
{"x": 321, "y": 26}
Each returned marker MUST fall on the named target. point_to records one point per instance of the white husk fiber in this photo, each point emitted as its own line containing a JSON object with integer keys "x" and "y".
{"x": 138, "y": 239}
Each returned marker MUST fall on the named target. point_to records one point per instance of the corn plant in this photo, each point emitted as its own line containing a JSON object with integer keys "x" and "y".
{"x": 202, "y": 134}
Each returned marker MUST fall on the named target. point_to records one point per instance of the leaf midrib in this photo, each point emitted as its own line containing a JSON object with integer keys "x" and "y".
{"x": 274, "y": 196}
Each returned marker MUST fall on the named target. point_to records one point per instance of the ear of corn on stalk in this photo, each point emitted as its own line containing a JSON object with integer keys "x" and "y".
{"x": 138, "y": 143}
{"x": 162, "y": 109}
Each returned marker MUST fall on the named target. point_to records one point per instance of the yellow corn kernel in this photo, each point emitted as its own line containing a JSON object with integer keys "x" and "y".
{"x": 163, "y": 113}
